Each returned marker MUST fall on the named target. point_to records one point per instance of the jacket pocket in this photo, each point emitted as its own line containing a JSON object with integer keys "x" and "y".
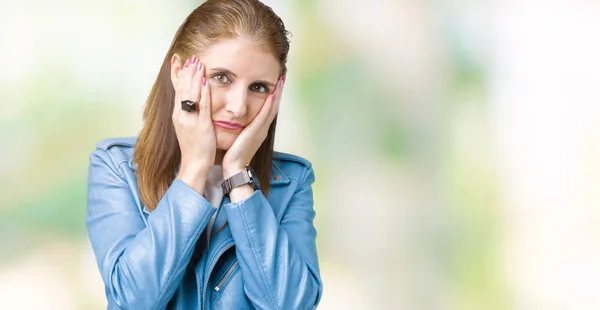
{"x": 227, "y": 276}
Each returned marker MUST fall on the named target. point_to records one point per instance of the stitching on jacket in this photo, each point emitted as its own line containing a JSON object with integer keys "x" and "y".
{"x": 119, "y": 169}
{"x": 260, "y": 266}
{"x": 284, "y": 208}
{"x": 112, "y": 165}
{"x": 293, "y": 177}
{"x": 304, "y": 177}
{"x": 178, "y": 266}
{"x": 316, "y": 275}
{"x": 116, "y": 141}
{"x": 290, "y": 157}
{"x": 172, "y": 275}
{"x": 110, "y": 155}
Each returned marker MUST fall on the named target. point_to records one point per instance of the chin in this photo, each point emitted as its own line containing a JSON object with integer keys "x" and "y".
{"x": 225, "y": 141}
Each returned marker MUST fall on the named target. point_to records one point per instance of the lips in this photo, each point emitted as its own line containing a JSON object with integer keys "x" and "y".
{"x": 228, "y": 125}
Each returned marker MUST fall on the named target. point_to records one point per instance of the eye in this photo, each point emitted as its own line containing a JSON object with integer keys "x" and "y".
{"x": 221, "y": 78}
{"x": 259, "y": 88}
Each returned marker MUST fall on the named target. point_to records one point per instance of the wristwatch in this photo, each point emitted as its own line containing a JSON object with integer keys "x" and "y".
{"x": 239, "y": 179}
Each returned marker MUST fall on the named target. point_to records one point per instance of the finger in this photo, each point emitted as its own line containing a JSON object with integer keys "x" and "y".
{"x": 182, "y": 89}
{"x": 204, "y": 107}
{"x": 275, "y": 108}
{"x": 185, "y": 78}
{"x": 263, "y": 114}
{"x": 196, "y": 82}
{"x": 188, "y": 119}
{"x": 271, "y": 106}
{"x": 178, "y": 90}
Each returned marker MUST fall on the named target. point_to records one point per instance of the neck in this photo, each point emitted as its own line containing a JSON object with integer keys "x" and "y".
{"x": 219, "y": 157}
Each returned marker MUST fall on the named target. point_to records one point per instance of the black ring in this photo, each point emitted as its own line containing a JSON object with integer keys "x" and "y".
{"x": 188, "y": 105}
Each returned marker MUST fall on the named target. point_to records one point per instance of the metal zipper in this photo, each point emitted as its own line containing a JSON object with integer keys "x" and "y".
{"x": 210, "y": 270}
{"x": 226, "y": 276}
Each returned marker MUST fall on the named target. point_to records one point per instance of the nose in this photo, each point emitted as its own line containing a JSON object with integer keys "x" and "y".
{"x": 236, "y": 101}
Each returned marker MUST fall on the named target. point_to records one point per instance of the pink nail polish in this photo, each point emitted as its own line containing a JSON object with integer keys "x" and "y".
{"x": 193, "y": 59}
{"x": 187, "y": 63}
{"x": 203, "y": 81}
{"x": 283, "y": 79}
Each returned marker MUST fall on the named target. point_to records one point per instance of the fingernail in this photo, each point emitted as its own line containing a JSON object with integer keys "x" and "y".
{"x": 193, "y": 59}
{"x": 203, "y": 81}
{"x": 283, "y": 79}
{"x": 200, "y": 66}
{"x": 187, "y": 63}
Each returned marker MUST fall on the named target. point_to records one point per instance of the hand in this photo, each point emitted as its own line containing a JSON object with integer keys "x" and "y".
{"x": 249, "y": 140}
{"x": 194, "y": 129}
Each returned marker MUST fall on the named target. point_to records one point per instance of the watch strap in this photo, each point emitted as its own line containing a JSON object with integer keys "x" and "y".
{"x": 236, "y": 180}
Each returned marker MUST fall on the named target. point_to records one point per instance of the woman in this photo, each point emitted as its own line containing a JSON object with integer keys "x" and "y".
{"x": 176, "y": 217}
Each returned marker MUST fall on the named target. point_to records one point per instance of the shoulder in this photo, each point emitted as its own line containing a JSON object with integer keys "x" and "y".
{"x": 293, "y": 166}
{"x": 124, "y": 142}
{"x": 118, "y": 150}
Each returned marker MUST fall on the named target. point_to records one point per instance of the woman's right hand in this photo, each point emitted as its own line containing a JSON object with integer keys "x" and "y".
{"x": 194, "y": 129}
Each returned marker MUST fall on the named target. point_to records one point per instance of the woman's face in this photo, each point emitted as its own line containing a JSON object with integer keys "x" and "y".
{"x": 241, "y": 75}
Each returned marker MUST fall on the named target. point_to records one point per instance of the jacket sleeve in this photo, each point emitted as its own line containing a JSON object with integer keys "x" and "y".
{"x": 141, "y": 266}
{"x": 278, "y": 261}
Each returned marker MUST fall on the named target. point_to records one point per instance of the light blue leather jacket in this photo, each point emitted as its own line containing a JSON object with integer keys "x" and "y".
{"x": 265, "y": 258}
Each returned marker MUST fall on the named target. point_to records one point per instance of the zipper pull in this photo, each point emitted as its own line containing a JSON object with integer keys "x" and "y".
{"x": 226, "y": 276}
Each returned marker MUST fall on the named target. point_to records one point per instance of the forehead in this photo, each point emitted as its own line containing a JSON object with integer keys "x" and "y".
{"x": 243, "y": 57}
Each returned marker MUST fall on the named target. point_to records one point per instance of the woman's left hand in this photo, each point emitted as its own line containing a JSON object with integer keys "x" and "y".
{"x": 250, "y": 139}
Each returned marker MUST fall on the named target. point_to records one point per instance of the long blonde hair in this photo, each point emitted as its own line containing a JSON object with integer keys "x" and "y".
{"x": 157, "y": 152}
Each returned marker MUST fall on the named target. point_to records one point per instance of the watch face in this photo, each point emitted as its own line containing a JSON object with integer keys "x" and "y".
{"x": 253, "y": 178}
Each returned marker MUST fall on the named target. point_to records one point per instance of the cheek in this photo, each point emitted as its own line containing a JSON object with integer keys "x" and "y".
{"x": 254, "y": 107}
{"x": 217, "y": 99}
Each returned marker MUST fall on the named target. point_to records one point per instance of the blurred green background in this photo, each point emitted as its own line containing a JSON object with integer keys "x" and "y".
{"x": 455, "y": 145}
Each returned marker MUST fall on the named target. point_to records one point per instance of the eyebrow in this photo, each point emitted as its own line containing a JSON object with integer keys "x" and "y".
{"x": 224, "y": 70}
